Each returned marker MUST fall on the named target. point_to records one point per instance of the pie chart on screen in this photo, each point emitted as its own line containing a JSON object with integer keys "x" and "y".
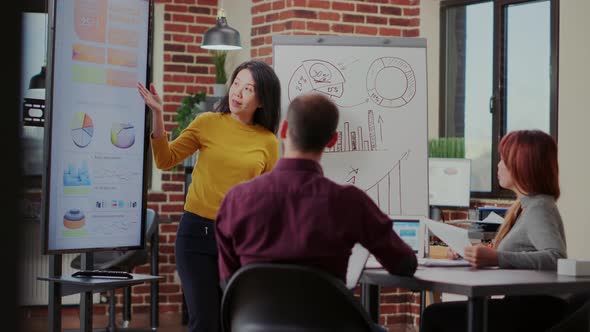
{"x": 82, "y": 129}
{"x": 122, "y": 135}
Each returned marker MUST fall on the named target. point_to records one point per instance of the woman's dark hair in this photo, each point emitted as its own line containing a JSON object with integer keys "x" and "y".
{"x": 268, "y": 92}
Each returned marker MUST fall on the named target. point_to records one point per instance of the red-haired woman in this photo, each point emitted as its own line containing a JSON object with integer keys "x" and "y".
{"x": 531, "y": 237}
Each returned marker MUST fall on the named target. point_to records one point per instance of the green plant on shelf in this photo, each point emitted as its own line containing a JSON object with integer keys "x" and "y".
{"x": 219, "y": 63}
{"x": 446, "y": 147}
{"x": 190, "y": 107}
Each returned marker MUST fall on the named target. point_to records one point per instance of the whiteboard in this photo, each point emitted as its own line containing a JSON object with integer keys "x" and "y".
{"x": 379, "y": 85}
{"x": 449, "y": 181}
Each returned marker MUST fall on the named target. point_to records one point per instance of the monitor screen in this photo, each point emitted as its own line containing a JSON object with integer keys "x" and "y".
{"x": 409, "y": 231}
{"x": 96, "y": 141}
{"x": 449, "y": 181}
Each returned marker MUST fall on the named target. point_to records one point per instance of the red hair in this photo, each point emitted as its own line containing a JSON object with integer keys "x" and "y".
{"x": 531, "y": 158}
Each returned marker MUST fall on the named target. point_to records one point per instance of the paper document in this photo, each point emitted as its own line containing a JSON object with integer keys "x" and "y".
{"x": 456, "y": 238}
{"x": 493, "y": 218}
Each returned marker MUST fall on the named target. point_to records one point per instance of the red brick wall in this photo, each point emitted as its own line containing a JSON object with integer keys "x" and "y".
{"x": 388, "y": 18}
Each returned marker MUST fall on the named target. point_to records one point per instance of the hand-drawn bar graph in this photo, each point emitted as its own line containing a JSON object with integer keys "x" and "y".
{"x": 387, "y": 191}
{"x": 351, "y": 139}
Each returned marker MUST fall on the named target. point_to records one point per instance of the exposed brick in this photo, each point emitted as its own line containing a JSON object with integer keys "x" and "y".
{"x": 364, "y": 30}
{"x": 167, "y": 269}
{"x": 376, "y": 20}
{"x": 405, "y": 2}
{"x": 363, "y": 8}
{"x": 271, "y": 17}
{"x": 167, "y": 288}
{"x": 206, "y": 20}
{"x": 391, "y": 10}
{"x": 183, "y": 78}
{"x": 278, "y": 5}
{"x": 198, "y": 30}
{"x": 157, "y": 197}
{"x": 183, "y": 58}
{"x": 183, "y": 18}
{"x": 389, "y": 32}
{"x": 183, "y": 38}
{"x": 319, "y": 4}
{"x": 175, "y": 8}
{"x": 295, "y": 25}
{"x": 342, "y": 28}
{"x": 173, "y": 88}
{"x": 315, "y": 26}
{"x": 278, "y": 27}
{"x": 141, "y": 289}
{"x": 412, "y": 11}
{"x": 197, "y": 69}
{"x": 411, "y": 33}
{"x": 329, "y": 16}
{"x": 144, "y": 269}
{"x": 301, "y": 13}
{"x": 350, "y": 18}
{"x": 261, "y": 8}
{"x": 257, "y": 20}
{"x": 199, "y": 10}
{"x": 206, "y": 2}
{"x": 174, "y": 47}
{"x": 342, "y": 6}
{"x": 205, "y": 80}
{"x": 405, "y": 22}
{"x": 172, "y": 187}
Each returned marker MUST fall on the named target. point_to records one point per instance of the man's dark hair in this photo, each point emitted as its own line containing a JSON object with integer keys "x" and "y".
{"x": 312, "y": 121}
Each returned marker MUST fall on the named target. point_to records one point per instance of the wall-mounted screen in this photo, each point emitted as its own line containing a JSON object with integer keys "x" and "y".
{"x": 449, "y": 181}
{"x": 96, "y": 141}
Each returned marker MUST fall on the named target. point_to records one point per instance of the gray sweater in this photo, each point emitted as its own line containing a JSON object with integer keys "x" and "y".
{"x": 537, "y": 238}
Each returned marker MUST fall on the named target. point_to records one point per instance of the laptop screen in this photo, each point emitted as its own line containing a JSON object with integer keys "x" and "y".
{"x": 408, "y": 230}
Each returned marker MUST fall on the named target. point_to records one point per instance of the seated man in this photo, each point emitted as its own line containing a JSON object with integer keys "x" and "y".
{"x": 295, "y": 215}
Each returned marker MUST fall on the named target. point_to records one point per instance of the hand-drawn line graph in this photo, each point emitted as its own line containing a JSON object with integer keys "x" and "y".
{"x": 318, "y": 76}
{"x": 351, "y": 139}
{"x": 387, "y": 191}
{"x": 391, "y": 82}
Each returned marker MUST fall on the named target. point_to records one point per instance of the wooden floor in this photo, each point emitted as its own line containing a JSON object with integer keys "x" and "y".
{"x": 169, "y": 322}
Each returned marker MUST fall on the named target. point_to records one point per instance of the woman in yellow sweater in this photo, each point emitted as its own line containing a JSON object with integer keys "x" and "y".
{"x": 236, "y": 143}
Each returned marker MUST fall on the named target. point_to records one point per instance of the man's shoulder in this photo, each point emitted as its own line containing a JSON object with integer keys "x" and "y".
{"x": 253, "y": 185}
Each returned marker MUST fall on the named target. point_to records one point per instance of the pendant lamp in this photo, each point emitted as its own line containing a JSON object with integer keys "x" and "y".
{"x": 221, "y": 36}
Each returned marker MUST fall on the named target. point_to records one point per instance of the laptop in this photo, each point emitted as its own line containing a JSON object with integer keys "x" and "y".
{"x": 409, "y": 228}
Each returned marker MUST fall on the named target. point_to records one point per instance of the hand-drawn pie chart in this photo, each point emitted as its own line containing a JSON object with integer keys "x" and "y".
{"x": 122, "y": 135}
{"x": 82, "y": 129}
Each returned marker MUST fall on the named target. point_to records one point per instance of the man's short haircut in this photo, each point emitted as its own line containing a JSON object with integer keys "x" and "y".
{"x": 312, "y": 119}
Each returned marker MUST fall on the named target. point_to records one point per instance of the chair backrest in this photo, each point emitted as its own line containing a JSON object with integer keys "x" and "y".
{"x": 282, "y": 297}
{"x": 577, "y": 318}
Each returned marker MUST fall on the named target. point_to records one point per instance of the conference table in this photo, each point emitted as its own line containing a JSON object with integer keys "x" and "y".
{"x": 476, "y": 284}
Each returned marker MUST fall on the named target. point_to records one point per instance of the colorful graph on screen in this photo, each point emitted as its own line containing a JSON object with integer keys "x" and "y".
{"x": 82, "y": 129}
{"x": 122, "y": 135}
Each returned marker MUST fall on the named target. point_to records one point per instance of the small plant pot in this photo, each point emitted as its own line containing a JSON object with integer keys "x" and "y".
{"x": 219, "y": 90}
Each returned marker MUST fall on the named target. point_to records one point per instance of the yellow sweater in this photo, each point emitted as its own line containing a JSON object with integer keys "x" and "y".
{"x": 230, "y": 152}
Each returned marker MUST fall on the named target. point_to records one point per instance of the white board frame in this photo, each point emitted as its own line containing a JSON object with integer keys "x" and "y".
{"x": 395, "y": 175}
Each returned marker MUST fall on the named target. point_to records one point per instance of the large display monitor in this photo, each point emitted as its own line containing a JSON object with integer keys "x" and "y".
{"x": 449, "y": 182}
{"x": 94, "y": 187}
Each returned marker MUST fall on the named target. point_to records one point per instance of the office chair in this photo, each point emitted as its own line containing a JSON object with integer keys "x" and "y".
{"x": 268, "y": 297}
{"x": 577, "y": 318}
{"x": 124, "y": 260}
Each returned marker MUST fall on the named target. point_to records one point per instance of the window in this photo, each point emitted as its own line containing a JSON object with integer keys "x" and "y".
{"x": 498, "y": 74}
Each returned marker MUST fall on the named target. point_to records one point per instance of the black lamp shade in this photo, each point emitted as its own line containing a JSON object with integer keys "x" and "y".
{"x": 221, "y": 37}
{"x": 38, "y": 80}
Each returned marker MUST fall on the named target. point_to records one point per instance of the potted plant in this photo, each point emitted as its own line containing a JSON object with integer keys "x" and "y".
{"x": 190, "y": 106}
{"x": 219, "y": 57}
